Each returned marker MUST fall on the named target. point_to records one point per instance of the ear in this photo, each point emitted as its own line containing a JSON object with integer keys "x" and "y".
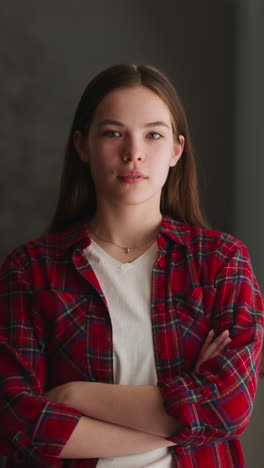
{"x": 178, "y": 150}
{"x": 80, "y": 146}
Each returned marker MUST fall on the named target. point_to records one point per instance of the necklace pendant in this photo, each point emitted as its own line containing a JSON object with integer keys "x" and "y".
{"x": 127, "y": 250}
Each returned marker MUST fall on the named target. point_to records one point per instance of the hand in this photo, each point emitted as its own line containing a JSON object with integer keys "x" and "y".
{"x": 212, "y": 347}
{"x": 60, "y": 394}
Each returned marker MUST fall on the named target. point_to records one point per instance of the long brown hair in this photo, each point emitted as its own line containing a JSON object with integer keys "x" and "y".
{"x": 77, "y": 200}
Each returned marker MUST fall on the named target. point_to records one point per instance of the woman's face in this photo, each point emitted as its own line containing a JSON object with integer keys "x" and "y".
{"x": 130, "y": 147}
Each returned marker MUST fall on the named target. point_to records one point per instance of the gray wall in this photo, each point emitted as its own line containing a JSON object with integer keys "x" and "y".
{"x": 248, "y": 186}
{"x": 248, "y": 197}
{"x": 48, "y": 52}
{"x": 211, "y": 49}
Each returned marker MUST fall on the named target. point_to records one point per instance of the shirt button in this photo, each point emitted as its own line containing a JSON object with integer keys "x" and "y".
{"x": 160, "y": 307}
{"x": 207, "y": 392}
{"x": 161, "y": 262}
{"x": 161, "y": 242}
{"x": 179, "y": 450}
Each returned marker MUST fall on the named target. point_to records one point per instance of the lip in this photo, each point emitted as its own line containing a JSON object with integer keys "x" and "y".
{"x": 135, "y": 174}
{"x": 132, "y": 177}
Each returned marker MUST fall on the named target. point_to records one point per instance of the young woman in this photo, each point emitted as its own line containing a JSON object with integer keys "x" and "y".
{"x": 130, "y": 332}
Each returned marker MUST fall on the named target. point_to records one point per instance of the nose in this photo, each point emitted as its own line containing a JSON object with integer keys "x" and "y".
{"x": 132, "y": 150}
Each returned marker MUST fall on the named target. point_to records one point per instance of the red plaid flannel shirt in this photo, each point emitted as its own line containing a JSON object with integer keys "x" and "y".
{"x": 53, "y": 310}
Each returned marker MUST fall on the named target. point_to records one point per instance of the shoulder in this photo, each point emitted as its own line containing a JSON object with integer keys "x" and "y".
{"x": 213, "y": 257}
{"x": 204, "y": 241}
{"x": 45, "y": 248}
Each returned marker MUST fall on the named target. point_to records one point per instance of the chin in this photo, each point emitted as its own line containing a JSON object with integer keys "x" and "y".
{"x": 134, "y": 201}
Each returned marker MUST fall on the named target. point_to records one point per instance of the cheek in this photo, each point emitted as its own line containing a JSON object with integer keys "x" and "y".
{"x": 160, "y": 174}
{"x": 162, "y": 161}
{"x": 103, "y": 154}
{"x": 101, "y": 165}
{"x": 162, "y": 170}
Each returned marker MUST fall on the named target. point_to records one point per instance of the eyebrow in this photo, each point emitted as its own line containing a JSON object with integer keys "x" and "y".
{"x": 157, "y": 123}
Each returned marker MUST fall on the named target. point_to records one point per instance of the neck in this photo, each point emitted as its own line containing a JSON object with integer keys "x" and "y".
{"x": 128, "y": 226}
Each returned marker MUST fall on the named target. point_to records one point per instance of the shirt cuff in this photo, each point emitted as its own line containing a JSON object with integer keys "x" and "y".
{"x": 52, "y": 431}
{"x": 184, "y": 400}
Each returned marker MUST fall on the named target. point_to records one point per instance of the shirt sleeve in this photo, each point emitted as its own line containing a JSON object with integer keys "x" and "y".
{"x": 216, "y": 403}
{"x": 33, "y": 429}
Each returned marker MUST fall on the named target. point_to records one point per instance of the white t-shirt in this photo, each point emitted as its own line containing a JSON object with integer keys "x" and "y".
{"x": 127, "y": 289}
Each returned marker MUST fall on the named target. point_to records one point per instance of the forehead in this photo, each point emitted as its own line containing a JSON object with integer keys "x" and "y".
{"x": 127, "y": 104}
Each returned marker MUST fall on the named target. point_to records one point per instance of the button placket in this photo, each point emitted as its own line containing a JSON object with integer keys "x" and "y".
{"x": 162, "y": 262}
{"x": 207, "y": 393}
{"x": 161, "y": 242}
{"x": 179, "y": 450}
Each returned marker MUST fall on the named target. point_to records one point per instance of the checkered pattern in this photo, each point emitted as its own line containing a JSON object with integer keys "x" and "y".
{"x": 55, "y": 328}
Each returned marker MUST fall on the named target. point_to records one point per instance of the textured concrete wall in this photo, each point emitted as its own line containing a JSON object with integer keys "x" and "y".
{"x": 248, "y": 220}
{"x": 248, "y": 195}
{"x": 48, "y": 52}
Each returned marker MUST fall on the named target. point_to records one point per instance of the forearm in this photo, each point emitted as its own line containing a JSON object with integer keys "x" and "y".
{"x": 97, "y": 439}
{"x": 136, "y": 407}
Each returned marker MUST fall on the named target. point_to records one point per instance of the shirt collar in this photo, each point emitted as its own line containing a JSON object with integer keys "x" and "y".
{"x": 176, "y": 230}
{"x": 78, "y": 234}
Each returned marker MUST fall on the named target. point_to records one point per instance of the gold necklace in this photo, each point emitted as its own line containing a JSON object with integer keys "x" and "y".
{"x": 125, "y": 249}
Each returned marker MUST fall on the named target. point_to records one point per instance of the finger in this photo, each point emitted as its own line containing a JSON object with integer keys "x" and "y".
{"x": 218, "y": 342}
{"x": 212, "y": 348}
{"x": 224, "y": 334}
{"x": 208, "y": 349}
{"x": 209, "y": 355}
{"x": 207, "y": 341}
{"x": 221, "y": 347}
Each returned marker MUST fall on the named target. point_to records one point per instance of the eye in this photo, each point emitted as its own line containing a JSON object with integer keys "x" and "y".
{"x": 111, "y": 133}
{"x": 154, "y": 135}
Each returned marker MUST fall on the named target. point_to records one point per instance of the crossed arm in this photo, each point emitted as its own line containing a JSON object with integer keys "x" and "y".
{"x": 122, "y": 420}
